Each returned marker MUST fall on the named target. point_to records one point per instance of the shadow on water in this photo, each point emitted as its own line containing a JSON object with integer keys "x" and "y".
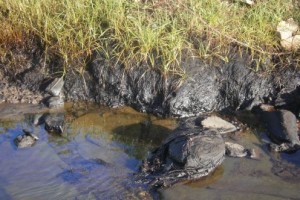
{"x": 140, "y": 138}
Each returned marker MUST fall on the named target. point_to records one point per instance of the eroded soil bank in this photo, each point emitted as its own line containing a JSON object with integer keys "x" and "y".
{"x": 217, "y": 86}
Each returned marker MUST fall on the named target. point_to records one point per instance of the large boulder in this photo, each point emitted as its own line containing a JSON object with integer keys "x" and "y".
{"x": 189, "y": 153}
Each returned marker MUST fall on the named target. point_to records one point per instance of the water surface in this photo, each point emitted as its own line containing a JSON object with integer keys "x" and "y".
{"x": 101, "y": 148}
{"x": 93, "y": 159}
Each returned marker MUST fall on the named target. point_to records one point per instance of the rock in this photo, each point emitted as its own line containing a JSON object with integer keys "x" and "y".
{"x": 235, "y": 150}
{"x": 249, "y": 2}
{"x": 38, "y": 119}
{"x": 222, "y": 126}
{"x": 282, "y": 128}
{"x": 287, "y": 28}
{"x": 54, "y": 122}
{"x": 254, "y": 154}
{"x": 26, "y": 140}
{"x": 291, "y": 43}
{"x": 187, "y": 154}
{"x": 55, "y": 102}
{"x": 55, "y": 87}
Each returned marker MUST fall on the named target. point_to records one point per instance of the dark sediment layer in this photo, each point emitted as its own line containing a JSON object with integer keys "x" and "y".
{"x": 228, "y": 86}
{"x": 220, "y": 86}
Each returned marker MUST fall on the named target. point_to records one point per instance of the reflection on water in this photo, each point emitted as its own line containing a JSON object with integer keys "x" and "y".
{"x": 100, "y": 149}
{"x": 93, "y": 159}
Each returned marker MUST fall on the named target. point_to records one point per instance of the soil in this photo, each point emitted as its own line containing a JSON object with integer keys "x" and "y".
{"x": 219, "y": 86}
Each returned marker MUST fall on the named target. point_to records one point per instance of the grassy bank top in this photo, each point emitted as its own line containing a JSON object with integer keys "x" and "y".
{"x": 157, "y": 32}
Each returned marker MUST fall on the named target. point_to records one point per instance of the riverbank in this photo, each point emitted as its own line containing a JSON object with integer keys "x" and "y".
{"x": 222, "y": 86}
{"x": 157, "y": 33}
{"x": 220, "y": 75}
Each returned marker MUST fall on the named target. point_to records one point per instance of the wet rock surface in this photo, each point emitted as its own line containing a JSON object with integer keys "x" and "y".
{"x": 54, "y": 102}
{"x": 55, "y": 87}
{"x": 235, "y": 150}
{"x": 54, "y": 122}
{"x": 189, "y": 153}
{"x": 27, "y": 139}
{"x": 282, "y": 128}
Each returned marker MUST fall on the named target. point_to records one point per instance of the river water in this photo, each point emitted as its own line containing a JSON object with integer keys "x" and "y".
{"x": 101, "y": 148}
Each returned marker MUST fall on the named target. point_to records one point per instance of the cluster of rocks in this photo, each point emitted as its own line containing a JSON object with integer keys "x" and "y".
{"x": 54, "y": 121}
{"x": 13, "y": 94}
{"x": 199, "y": 145}
{"x": 192, "y": 151}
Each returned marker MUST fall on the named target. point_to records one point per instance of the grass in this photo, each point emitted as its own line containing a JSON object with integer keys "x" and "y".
{"x": 158, "y": 33}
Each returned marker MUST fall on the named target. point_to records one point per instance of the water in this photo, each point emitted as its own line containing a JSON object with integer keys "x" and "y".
{"x": 101, "y": 148}
{"x": 94, "y": 159}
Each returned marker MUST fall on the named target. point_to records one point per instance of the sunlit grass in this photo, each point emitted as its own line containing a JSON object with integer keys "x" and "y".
{"x": 152, "y": 32}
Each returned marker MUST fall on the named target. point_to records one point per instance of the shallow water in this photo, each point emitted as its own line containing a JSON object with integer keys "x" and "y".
{"x": 96, "y": 155}
{"x": 100, "y": 149}
{"x": 241, "y": 178}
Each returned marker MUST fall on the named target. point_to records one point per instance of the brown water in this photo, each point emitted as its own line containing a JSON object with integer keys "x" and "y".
{"x": 102, "y": 147}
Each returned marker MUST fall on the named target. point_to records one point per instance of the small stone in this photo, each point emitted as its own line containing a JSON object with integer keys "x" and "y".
{"x": 34, "y": 101}
{"x": 55, "y": 102}
{"x": 291, "y": 43}
{"x": 26, "y": 140}
{"x": 235, "y": 150}
{"x": 219, "y": 124}
{"x": 249, "y": 2}
{"x": 37, "y": 119}
{"x": 55, "y": 122}
{"x": 254, "y": 154}
{"x": 55, "y": 87}
{"x": 287, "y": 28}
{"x": 23, "y": 100}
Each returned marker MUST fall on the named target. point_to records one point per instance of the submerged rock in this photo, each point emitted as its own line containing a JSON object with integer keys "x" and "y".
{"x": 26, "y": 140}
{"x": 54, "y": 122}
{"x": 282, "y": 128}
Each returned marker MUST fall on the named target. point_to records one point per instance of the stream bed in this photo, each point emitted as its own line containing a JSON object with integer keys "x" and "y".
{"x": 101, "y": 148}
